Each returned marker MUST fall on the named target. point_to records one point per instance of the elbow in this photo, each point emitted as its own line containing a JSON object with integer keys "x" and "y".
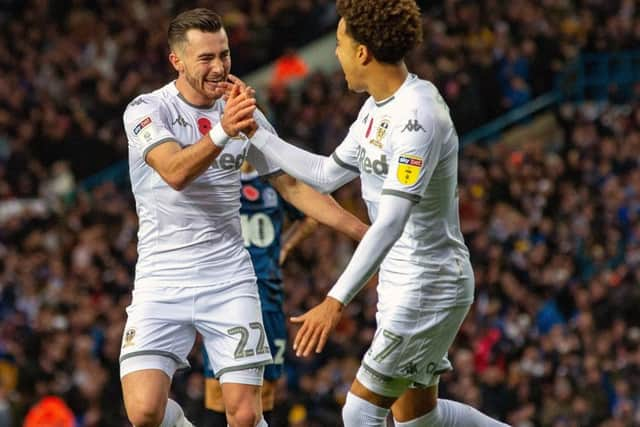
{"x": 393, "y": 229}
{"x": 394, "y": 235}
{"x": 177, "y": 182}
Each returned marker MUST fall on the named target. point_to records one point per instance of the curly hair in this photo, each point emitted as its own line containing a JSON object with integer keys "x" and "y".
{"x": 390, "y": 29}
{"x": 201, "y": 19}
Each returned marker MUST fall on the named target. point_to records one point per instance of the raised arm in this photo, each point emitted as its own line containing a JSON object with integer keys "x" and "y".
{"x": 180, "y": 166}
{"x": 318, "y": 206}
{"x": 415, "y": 157}
{"x": 323, "y": 173}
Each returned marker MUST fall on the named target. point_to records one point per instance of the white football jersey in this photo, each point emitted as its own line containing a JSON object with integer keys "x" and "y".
{"x": 190, "y": 237}
{"x": 407, "y": 146}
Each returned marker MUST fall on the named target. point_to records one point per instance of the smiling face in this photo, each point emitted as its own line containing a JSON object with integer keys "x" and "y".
{"x": 203, "y": 61}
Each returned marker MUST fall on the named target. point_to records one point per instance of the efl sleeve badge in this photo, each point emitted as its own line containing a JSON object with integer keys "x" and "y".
{"x": 408, "y": 169}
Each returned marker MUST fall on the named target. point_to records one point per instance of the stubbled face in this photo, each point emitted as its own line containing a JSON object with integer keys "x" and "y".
{"x": 204, "y": 61}
{"x": 348, "y": 52}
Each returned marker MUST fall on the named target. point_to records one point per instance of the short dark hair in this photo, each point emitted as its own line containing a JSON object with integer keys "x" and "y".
{"x": 201, "y": 19}
{"x": 390, "y": 29}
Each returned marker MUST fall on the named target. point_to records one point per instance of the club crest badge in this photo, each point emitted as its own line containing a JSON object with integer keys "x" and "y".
{"x": 129, "y": 335}
{"x": 381, "y": 132}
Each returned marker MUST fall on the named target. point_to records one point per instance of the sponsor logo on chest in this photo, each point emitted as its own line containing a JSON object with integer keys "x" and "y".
{"x": 229, "y": 161}
{"x": 199, "y": 126}
{"x": 372, "y": 165}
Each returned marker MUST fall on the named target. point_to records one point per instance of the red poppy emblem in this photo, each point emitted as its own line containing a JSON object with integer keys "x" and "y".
{"x": 250, "y": 193}
{"x": 204, "y": 125}
{"x": 369, "y": 128}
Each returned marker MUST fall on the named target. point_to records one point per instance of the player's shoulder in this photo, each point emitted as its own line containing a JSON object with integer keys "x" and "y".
{"x": 416, "y": 95}
{"x": 158, "y": 99}
{"x": 364, "y": 113}
{"x": 420, "y": 99}
{"x": 366, "y": 108}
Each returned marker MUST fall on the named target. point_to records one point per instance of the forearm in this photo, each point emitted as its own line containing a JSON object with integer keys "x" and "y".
{"x": 375, "y": 245}
{"x": 320, "y": 172}
{"x": 323, "y": 208}
{"x": 187, "y": 164}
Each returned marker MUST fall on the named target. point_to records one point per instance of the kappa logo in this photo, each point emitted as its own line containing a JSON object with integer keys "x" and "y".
{"x": 138, "y": 101}
{"x": 413, "y": 126}
{"x": 409, "y": 369}
{"x": 180, "y": 121}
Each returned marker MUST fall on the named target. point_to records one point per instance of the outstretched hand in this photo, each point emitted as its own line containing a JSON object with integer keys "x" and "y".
{"x": 239, "y": 109}
{"x": 317, "y": 323}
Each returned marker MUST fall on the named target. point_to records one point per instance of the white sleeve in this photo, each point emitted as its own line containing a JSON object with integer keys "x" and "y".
{"x": 146, "y": 124}
{"x": 258, "y": 160}
{"x": 321, "y": 172}
{"x": 346, "y": 154}
{"x": 393, "y": 213}
{"x": 415, "y": 154}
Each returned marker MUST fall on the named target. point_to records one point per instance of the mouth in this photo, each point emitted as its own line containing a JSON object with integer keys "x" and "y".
{"x": 214, "y": 84}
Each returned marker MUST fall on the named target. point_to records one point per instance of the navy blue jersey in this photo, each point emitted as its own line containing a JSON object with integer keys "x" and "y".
{"x": 262, "y": 213}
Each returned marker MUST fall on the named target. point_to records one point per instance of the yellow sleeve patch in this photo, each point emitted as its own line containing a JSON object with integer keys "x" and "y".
{"x": 409, "y": 169}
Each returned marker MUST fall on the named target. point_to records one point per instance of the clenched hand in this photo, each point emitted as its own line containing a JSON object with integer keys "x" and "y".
{"x": 239, "y": 109}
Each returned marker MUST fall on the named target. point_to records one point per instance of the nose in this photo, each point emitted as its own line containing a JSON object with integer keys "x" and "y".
{"x": 217, "y": 66}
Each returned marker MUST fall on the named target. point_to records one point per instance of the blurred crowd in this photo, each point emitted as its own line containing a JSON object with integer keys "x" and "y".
{"x": 486, "y": 57}
{"x": 68, "y": 68}
{"x": 553, "y": 225}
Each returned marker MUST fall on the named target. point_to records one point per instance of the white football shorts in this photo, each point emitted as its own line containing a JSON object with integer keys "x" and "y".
{"x": 409, "y": 348}
{"x": 162, "y": 323}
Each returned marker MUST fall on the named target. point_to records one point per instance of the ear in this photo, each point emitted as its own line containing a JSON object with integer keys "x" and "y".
{"x": 176, "y": 62}
{"x": 363, "y": 54}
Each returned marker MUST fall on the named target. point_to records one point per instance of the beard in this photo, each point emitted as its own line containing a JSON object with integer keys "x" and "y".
{"x": 207, "y": 89}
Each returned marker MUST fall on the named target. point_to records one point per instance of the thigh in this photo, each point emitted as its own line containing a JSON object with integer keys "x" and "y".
{"x": 158, "y": 324}
{"x": 230, "y": 321}
{"x": 145, "y": 392}
{"x": 276, "y": 330}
